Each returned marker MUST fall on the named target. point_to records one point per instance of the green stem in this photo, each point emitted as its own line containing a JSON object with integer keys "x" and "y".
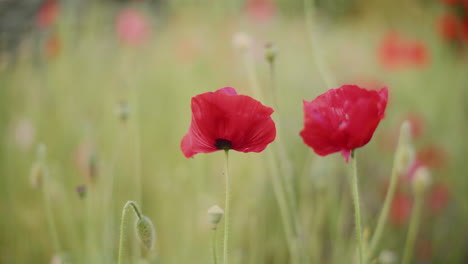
{"x": 357, "y": 210}
{"x": 226, "y": 209}
{"x": 383, "y": 214}
{"x": 213, "y": 243}
{"x": 323, "y": 70}
{"x": 122, "y": 225}
{"x": 413, "y": 228}
{"x": 49, "y": 212}
{"x": 283, "y": 187}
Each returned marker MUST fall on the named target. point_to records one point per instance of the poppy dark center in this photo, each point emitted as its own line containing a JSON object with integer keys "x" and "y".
{"x": 223, "y": 144}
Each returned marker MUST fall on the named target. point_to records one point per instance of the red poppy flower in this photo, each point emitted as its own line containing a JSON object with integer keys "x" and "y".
{"x": 132, "y": 27}
{"x": 226, "y": 120}
{"x": 47, "y": 14}
{"x": 343, "y": 119}
{"x": 400, "y": 209}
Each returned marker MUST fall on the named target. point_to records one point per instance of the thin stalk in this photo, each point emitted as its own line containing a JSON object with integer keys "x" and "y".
{"x": 226, "y": 209}
{"x": 357, "y": 210}
{"x": 50, "y": 216}
{"x": 213, "y": 244}
{"x": 122, "y": 225}
{"x": 323, "y": 70}
{"x": 284, "y": 211}
{"x": 413, "y": 228}
{"x": 383, "y": 214}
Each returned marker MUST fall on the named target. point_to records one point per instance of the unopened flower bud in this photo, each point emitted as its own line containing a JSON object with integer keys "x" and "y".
{"x": 387, "y": 257}
{"x": 215, "y": 213}
{"x": 37, "y": 175}
{"x": 241, "y": 41}
{"x": 422, "y": 179}
{"x": 145, "y": 232}
{"x": 82, "y": 190}
{"x": 270, "y": 52}
{"x": 405, "y": 151}
{"x": 123, "y": 111}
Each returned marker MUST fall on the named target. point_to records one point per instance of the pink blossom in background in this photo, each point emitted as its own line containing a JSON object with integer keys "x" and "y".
{"x": 132, "y": 27}
{"x": 24, "y": 133}
{"x": 260, "y": 10}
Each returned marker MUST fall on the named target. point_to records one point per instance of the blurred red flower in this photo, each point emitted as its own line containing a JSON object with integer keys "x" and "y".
{"x": 439, "y": 197}
{"x": 395, "y": 52}
{"x": 260, "y": 10}
{"x": 433, "y": 156}
{"x": 449, "y": 2}
{"x": 132, "y": 26}
{"x": 343, "y": 119}
{"x": 449, "y": 27}
{"x": 400, "y": 208}
{"x": 418, "y": 124}
{"x": 226, "y": 120}
{"x": 47, "y": 14}
{"x": 52, "y": 46}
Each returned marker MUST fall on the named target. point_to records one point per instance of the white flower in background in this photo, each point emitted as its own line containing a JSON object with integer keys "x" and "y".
{"x": 241, "y": 41}
{"x": 24, "y": 133}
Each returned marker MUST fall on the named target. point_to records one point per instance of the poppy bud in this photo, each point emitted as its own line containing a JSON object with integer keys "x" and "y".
{"x": 215, "y": 213}
{"x": 421, "y": 180}
{"x": 387, "y": 257}
{"x": 123, "y": 111}
{"x": 81, "y": 190}
{"x": 405, "y": 151}
{"x": 270, "y": 52}
{"x": 145, "y": 232}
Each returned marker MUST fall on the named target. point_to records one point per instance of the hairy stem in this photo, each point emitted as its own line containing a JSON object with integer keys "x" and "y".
{"x": 357, "y": 210}
{"x": 226, "y": 209}
{"x": 129, "y": 204}
{"x": 413, "y": 228}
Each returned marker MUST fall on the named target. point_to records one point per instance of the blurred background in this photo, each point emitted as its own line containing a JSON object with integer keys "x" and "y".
{"x": 95, "y": 98}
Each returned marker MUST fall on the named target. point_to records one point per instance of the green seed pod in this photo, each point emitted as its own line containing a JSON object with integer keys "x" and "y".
{"x": 145, "y": 232}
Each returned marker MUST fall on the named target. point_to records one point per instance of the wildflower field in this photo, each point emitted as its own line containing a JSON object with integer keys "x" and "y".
{"x": 233, "y": 132}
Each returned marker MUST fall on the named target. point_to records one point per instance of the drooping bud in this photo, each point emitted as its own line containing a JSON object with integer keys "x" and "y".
{"x": 270, "y": 52}
{"x": 422, "y": 179}
{"x": 215, "y": 213}
{"x": 145, "y": 232}
{"x": 405, "y": 151}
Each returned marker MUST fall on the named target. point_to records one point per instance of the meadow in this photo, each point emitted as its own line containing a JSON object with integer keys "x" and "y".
{"x": 93, "y": 109}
